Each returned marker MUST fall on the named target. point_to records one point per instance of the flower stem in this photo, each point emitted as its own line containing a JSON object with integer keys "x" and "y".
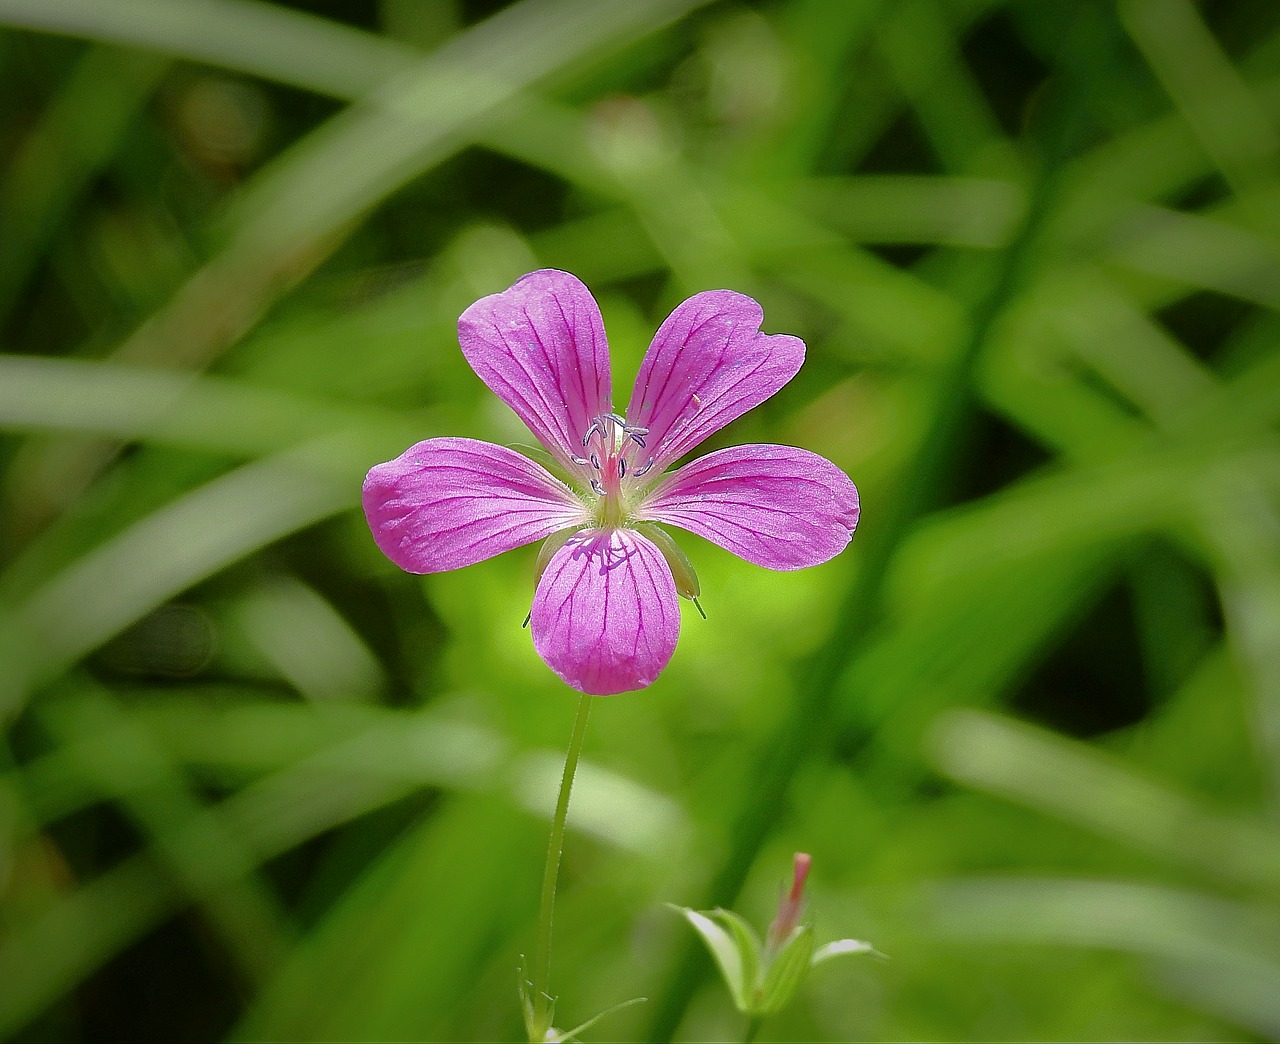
{"x": 753, "y": 1027}
{"x": 542, "y": 955}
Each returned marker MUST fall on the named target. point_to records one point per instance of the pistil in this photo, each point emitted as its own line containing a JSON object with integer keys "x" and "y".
{"x": 610, "y": 448}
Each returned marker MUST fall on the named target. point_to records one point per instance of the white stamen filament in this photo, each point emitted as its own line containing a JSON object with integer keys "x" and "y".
{"x": 610, "y": 444}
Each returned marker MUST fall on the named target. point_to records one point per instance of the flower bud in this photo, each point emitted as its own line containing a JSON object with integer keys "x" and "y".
{"x": 791, "y": 905}
{"x": 763, "y": 981}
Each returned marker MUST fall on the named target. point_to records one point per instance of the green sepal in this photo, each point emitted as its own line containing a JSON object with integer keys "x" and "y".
{"x": 549, "y": 547}
{"x": 544, "y": 457}
{"x": 727, "y": 954}
{"x": 785, "y": 973}
{"x": 677, "y": 561}
{"x": 534, "y": 1028}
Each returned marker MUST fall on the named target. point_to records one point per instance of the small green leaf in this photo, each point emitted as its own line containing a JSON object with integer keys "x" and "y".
{"x": 841, "y": 948}
{"x": 726, "y": 953}
{"x": 786, "y": 972}
{"x": 563, "y": 1036}
{"x": 527, "y": 1009}
{"x": 748, "y": 944}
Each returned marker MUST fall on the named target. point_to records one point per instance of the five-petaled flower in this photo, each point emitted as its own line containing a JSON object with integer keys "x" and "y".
{"x": 605, "y": 613}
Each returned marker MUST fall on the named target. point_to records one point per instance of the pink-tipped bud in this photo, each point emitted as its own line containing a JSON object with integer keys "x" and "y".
{"x": 803, "y": 861}
{"x": 792, "y": 904}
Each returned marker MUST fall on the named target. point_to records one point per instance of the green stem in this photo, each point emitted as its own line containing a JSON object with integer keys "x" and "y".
{"x": 551, "y": 874}
{"x": 753, "y": 1027}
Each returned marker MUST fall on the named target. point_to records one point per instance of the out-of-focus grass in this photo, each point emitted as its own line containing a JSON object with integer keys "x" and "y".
{"x": 257, "y": 784}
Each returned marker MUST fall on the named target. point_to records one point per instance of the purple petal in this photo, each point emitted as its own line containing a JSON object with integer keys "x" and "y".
{"x": 540, "y": 346}
{"x": 708, "y": 364}
{"x": 446, "y": 503}
{"x": 776, "y": 506}
{"x": 605, "y": 615}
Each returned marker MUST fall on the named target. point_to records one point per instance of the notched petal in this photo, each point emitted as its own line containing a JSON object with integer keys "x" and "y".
{"x": 605, "y": 615}
{"x": 708, "y": 365}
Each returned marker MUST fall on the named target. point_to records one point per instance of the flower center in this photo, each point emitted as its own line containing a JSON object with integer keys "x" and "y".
{"x": 612, "y": 450}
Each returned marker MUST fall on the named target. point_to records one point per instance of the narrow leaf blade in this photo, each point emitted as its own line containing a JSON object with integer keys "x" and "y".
{"x": 727, "y": 955}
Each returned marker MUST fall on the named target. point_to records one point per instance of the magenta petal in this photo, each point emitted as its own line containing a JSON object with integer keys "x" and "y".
{"x": 540, "y": 346}
{"x": 776, "y": 506}
{"x": 708, "y": 365}
{"x": 446, "y": 503}
{"x": 605, "y": 615}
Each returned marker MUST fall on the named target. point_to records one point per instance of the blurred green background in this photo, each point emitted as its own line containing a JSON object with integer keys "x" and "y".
{"x": 257, "y": 784}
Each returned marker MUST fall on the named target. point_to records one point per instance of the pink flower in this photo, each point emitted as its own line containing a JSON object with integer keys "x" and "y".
{"x": 606, "y": 614}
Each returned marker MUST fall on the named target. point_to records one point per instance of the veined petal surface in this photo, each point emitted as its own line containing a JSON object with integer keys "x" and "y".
{"x": 776, "y": 506}
{"x": 540, "y": 346}
{"x": 708, "y": 365}
{"x": 606, "y": 616}
{"x": 447, "y": 503}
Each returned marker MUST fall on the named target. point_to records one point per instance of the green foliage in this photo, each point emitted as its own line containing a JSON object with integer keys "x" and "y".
{"x": 736, "y": 949}
{"x": 257, "y": 784}
{"x": 762, "y": 980}
{"x": 787, "y": 971}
